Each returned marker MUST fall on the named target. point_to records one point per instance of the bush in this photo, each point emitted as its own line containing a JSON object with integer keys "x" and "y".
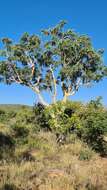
{"x": 40, "y": 118}
{"x": 19, "y": 130}
{"x": 9, "y": 187}
{"x": 6, "y": 140}
{"x": 7, "y": 146}
{"x": 88, "y": 122}
{"x": 11, "y": 114}
{"x": 25, "y": 115}
{"x": 5, "y": 115}
{"x": 86, "y": 154}
{"x": 94, "y": 128}
{"x": 63, "y": 118}
{"x": 2, "y": 115}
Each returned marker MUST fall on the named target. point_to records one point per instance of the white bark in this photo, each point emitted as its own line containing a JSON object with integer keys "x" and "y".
{"x": 42, "y": 101}
{"x": 71, "y": 92}
{"x": 40, "y": 97}
{"x": 54, "y": 85}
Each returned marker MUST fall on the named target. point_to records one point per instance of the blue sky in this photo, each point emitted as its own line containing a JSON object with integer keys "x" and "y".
{"x": 84, "y": 16}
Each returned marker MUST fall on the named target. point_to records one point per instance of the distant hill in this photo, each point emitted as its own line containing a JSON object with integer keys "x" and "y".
{"x": 13, "y": 107}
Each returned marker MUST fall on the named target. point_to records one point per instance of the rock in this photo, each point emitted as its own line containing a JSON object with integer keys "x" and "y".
{"x": 55, "y": 173}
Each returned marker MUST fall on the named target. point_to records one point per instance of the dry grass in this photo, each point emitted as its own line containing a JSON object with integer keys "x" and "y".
{"x": 4, "y": 129}
{"x": 55, "y": 168}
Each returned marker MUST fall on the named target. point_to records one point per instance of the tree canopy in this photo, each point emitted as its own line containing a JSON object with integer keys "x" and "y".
{"x": 61, "y": 59}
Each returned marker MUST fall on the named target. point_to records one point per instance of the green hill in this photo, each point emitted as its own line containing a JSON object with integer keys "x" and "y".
{"x": 13, "y": 107}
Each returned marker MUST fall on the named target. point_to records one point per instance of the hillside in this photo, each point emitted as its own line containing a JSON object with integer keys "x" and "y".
{"x": 34, "y": 155}
{"x": 13, "y": 107}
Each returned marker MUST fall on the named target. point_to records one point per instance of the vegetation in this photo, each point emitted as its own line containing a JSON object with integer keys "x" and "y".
{"x": 56, "y": 147}
{"x": 63, "y": 60}
{"x": 61, "y": 145}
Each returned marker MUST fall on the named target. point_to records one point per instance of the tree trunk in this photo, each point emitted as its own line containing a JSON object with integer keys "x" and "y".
{"x": 64, "y": 99}
{"x": 65, "y": 96}
{"x": 42, "y": 101}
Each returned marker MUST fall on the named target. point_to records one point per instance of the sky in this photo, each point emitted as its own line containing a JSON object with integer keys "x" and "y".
{"x": 84, "y": 16}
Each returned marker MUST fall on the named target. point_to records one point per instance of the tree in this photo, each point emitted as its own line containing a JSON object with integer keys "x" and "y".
{"x": 64, "y": 59}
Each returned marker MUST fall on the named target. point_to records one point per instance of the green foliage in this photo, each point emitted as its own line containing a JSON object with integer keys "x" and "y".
{"x": 68, "y": 121}
{"x": 6, "y": 141}
{"x": 11, "y": 114}
{"x": 29, "y": 155}
{"x": 19, "y": 130}
{"x": 62, "y": 118}
{"x": 24, "y": 122}
{"x": 86, "y": 154}
{"x": 2, "y": 115}
{"x": 40, "y": 119}
{"x": 64, "y": 59}
{"x": 88, "y": 122}
{"x": 7, "y": 146}
{"x": 94, "y": 123}
{"x": 9, "y": 187}
{"x": 25, "y": 115}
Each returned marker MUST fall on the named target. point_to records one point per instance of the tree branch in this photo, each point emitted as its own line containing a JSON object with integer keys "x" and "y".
{"x": 32, "y": 65}
{"x": 54, "y": 84}
{"x": 37, "y": 91}
{"x": 71, "y": 92}
{"x": 33, "y": 87}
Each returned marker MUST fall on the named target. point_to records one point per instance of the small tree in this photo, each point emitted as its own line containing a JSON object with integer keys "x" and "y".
{"x": 63, "y": 60}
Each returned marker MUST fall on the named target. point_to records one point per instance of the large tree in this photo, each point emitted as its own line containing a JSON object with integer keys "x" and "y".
{"x": 61, "y": 60}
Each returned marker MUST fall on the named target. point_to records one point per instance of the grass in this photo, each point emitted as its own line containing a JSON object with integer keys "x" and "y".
{"x": 54, "y": 167}
{"x": 15, "y": 107}
{"x": 38, "y": 162}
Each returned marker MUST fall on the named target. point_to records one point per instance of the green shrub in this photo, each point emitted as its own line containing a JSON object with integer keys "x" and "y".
{"x": 6, "y": 115}
{"x": 25, "y": 115}
{"x": 2, "y": 115}
{"x": 88, "y": 122}
{"x": 7, "y": 146}
{"x": 2, "y": 112}
{"x": 40, "y": 118}
{"x": 86, "y": 154}
{"x": 11, "y": 114}
{"x": 19, "y": 130}
{"x": 63, "y": 118}
{"x": 9, "y": 187}
{"x": 6, "y": 140}
{"x": 94, "y": 128}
